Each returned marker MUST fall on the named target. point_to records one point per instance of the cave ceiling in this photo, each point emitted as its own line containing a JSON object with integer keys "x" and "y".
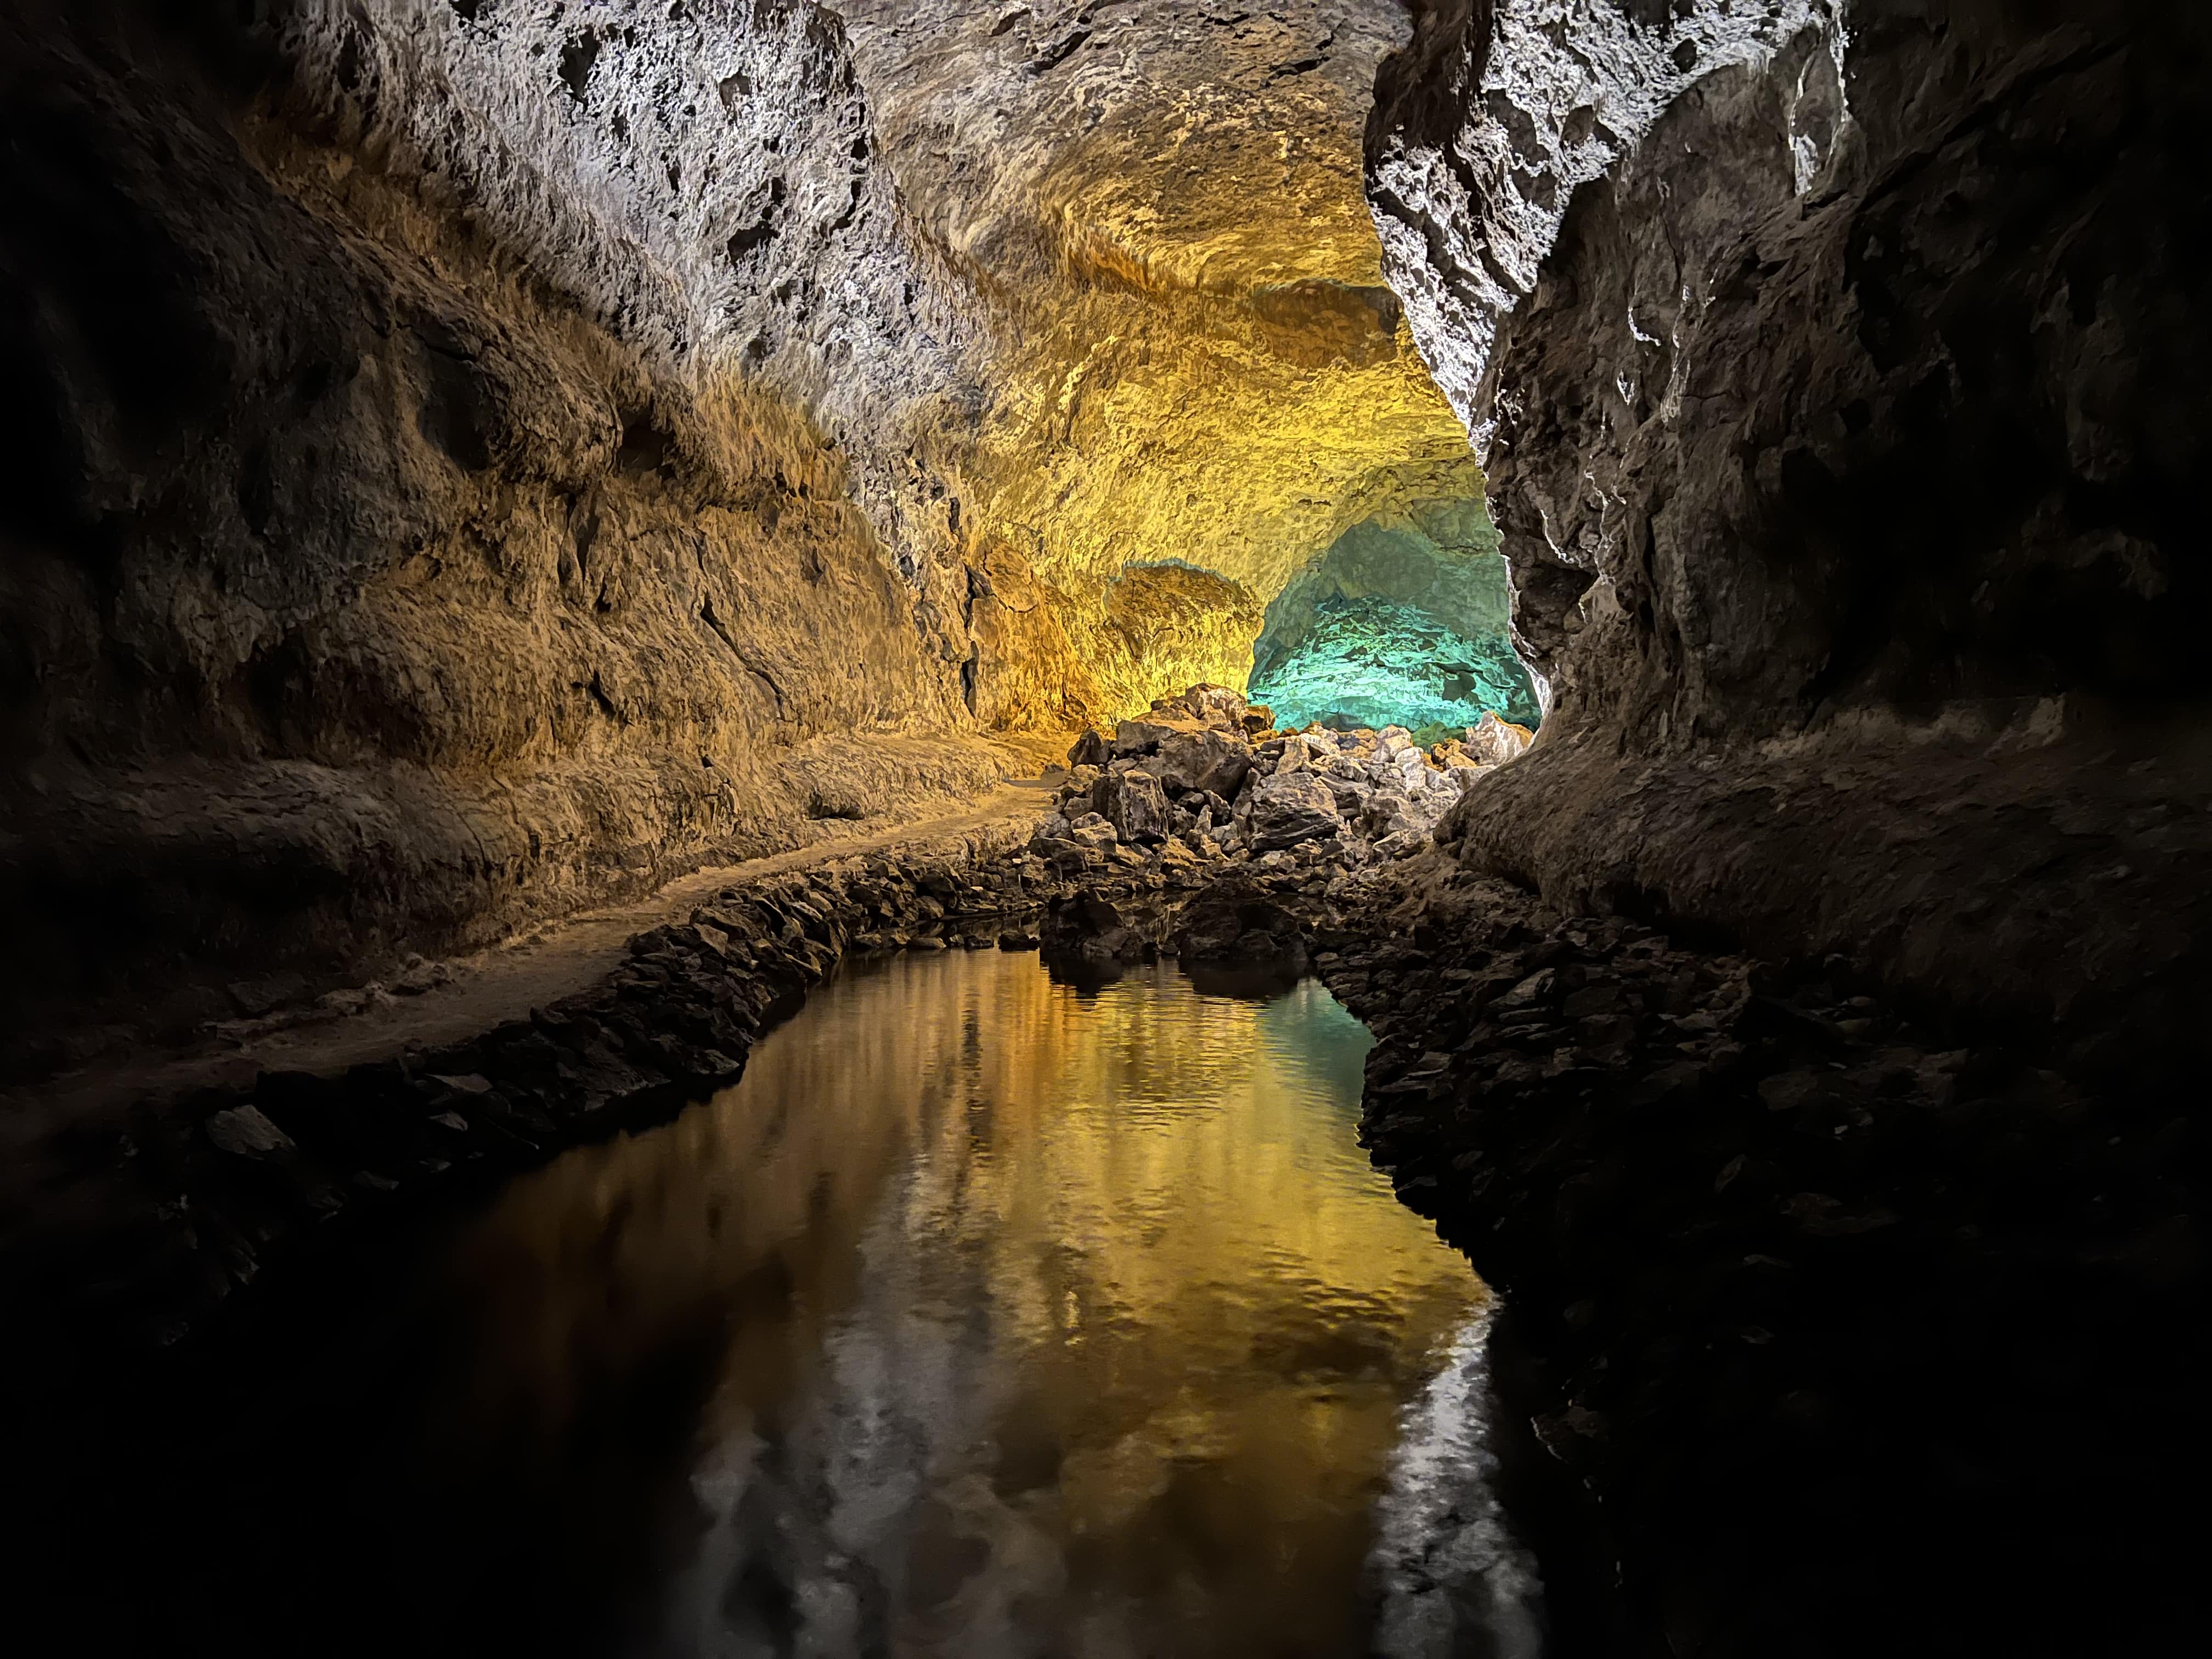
{"x": 1196, "y": 362}
{"x": 1083, "y": 304}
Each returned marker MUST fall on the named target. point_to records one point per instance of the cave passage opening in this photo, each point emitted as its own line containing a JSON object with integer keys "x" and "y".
{"x": 1403, "y": 620}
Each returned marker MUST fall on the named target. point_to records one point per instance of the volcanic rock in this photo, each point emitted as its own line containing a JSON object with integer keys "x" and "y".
{"x": 1210, "y": 760}
{"x": 1133, "y": 803}
{"x": 1494, "y": 741}
{"x": 1089, "y": 749}
{"x": 1292, "y": 808}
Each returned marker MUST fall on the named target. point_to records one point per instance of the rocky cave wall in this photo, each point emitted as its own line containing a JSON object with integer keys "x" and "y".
{"x": 1404, "y": 623}
{"x": 403, "y": 541}
{"x": 1839, "y": 374}
{"x": 1200, "y": 379}
{"x": 480, "y": 456}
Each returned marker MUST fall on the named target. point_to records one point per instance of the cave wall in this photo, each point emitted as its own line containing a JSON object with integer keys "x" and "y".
{"x": 474, "y": 458}
{"x": 399, "y": 544}
{"x": 1195, "y": 364}
{"x": 1840, "y": 385}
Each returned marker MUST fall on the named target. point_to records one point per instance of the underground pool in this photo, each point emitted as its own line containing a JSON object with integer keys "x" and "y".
{"x": 987, "y": 1313}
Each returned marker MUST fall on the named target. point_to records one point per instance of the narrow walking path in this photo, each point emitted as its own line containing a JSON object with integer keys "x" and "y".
{"x": 504, "y": 982}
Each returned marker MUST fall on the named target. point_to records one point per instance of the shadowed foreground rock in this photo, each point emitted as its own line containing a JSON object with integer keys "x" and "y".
{"x": 1837, "y": 1331}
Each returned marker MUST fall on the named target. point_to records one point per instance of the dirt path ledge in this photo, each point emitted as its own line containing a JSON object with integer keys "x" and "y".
{"x": 465, "y": 994}
{"x": 136, "y": 1199}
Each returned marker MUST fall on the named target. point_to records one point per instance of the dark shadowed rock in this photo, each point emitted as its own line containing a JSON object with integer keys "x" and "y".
{"x": 1134, "y": 804}
{"x": 1210, "y": 760}
{"x": 1494, "y": 741}
{"x": 1292, "y": 808}
{"x": 1143, "y": 735}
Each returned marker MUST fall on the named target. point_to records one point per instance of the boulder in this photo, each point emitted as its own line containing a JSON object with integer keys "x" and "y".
{"x": 1208, "y": 759}
{"x": 1209, "y": 705}
{"x": 1133, "y": 803}
{"x": 1451, "y": 754}
{"x": 1494, "y": 741}
{"x": 1176, "y": 855}
{"x": 1217, "y": 705}
{"x": 1293, "y": 807}
{"x": 1383, "y": 814}
{"x": 1142, "y": 736}
{"x": 1402, "y": 843}
{"x": 1089, "y": 749}
{"x": 1236, "y": 919}
{"x": 1088, "y": 928}
{"x": 1094, "y": 832}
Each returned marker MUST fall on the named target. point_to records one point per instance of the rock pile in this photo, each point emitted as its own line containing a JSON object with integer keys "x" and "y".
{"x": 1203, "y": 778}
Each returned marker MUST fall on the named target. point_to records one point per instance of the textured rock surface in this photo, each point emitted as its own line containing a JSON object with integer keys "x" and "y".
{"x": 1403, "y": 623}
{"x": 1376, "y": 662}
{"x": 392, "y": 557}
{"x": 1842, "y": 389}
{"x": 1842, "y": 444}
{"x": 1830, "y": 1334}
{"x": 476, "y": 458}
{"x": 1199, "y": 377}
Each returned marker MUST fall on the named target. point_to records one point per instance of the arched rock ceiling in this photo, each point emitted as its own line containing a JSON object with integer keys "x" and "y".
{"x": 1071, "y": 297}
{"x": 1197, "y": 362}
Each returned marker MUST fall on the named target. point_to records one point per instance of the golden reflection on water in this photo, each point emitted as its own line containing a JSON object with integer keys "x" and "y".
{"x": 1020, "y": 1319}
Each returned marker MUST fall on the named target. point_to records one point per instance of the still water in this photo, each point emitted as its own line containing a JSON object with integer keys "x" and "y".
{"x": 986, "y": 1317}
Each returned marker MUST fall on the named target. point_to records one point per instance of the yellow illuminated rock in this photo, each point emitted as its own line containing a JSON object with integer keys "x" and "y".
{"x": 1198, "y": 364}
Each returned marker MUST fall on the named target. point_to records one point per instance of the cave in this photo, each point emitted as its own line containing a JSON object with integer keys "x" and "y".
{"x": 1407, "y": 624}
{"x": 1112, "y": 826}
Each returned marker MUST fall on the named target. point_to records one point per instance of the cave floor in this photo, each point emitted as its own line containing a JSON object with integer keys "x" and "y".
{"x": 502, "y": 983}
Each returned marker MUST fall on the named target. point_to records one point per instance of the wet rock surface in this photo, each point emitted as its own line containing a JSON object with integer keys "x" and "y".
{"x": 1837, "y": 1331}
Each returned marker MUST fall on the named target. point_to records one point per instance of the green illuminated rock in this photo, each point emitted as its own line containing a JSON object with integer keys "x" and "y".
{"x": 1384, "y": 662}
{"x": 1398, "y": 624}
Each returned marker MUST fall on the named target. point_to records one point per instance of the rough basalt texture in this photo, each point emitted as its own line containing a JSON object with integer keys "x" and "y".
{"x": 474, "y": 459}
{"x": 1408, "y": 625}
{"x": 1832, "y": 1335}
{"x": 1843, "y": 398}
{"x": 1196, "y": 367}
{"x": 382, "y": 569}
{"x": 1843, "y": 444}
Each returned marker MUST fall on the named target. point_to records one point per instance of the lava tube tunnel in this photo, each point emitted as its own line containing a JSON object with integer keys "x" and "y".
{"x": 1139, "y": 828}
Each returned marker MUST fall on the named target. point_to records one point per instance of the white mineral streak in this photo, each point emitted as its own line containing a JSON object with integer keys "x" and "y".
{"x": 1568, "y": 87}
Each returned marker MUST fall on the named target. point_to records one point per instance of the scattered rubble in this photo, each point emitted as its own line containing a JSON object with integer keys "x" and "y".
{"x": 1199, "y": 795}
{"x": 1203, "y": 778}
{"x": 1745, "y": 1218}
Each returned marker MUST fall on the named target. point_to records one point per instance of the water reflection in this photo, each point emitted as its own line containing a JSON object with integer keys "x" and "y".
{"x": 985, "y": 1316}
{"x": 1041, "y": 1322}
